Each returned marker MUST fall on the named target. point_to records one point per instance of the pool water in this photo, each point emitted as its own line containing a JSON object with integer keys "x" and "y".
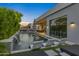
{"x": 25, "y": 41}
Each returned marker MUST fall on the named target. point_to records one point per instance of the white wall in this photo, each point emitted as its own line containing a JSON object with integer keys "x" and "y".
{"x": 72, "y": 13}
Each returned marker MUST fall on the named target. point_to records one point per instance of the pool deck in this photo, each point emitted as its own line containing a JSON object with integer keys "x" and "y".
{"x": 31, "y": 53}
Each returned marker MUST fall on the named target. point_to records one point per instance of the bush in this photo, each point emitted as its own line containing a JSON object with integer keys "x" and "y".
{"x": 3, "y": 49}
{"x": 9, "y": 22}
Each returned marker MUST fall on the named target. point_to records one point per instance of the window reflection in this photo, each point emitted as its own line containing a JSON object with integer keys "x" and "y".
{"x": 58, "y": 27}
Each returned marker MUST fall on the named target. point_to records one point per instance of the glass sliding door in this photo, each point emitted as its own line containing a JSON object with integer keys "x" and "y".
{"x": 58, "y": 27}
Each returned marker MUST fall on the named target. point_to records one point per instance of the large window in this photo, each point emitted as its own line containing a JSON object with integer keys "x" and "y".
{"x": 58, "y": 27}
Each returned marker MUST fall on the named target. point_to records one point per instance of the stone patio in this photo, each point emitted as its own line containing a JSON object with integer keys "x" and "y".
{"x": 50, "y": 53}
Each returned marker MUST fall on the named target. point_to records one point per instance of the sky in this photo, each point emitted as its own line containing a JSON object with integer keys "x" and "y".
{"x": 30, "y": 11}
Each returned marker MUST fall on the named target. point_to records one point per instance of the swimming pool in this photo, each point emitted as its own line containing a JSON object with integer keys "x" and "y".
{"x": 26, "y": 39}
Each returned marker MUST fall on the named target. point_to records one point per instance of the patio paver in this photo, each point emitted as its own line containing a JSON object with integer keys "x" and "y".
{"x": 50, "y": 53}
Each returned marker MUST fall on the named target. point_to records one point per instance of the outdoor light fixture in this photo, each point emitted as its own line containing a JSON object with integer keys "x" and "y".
{"x": 72, "y": 24}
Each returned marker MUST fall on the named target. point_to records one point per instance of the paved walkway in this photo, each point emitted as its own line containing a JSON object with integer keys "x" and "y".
{"x": 50, "y": 53}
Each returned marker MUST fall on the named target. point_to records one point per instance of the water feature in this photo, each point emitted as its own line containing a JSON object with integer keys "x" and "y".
{"x": 25, "y": 41}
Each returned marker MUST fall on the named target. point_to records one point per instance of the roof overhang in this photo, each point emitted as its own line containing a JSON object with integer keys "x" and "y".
{"x": 52, "y": 11}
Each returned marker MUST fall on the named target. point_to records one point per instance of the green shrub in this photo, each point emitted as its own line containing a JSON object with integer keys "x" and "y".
{"x": 3, "y": 49}
{"x": 9, "y": 22}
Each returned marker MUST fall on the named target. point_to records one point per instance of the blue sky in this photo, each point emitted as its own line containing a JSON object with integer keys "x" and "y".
{"x": 30, "y": 11}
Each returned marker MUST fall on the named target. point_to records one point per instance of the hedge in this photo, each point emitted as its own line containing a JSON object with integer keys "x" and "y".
{"x": 9, "y": 22}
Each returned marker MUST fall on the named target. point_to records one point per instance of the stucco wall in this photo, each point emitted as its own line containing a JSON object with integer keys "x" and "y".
{"x": 72, "y": 13}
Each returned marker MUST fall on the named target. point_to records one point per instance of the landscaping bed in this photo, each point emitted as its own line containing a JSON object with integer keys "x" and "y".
{"x": 4, "y": 50}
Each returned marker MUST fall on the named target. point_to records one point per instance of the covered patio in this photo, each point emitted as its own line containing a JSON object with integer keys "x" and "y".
{"x": 41, "y": 26}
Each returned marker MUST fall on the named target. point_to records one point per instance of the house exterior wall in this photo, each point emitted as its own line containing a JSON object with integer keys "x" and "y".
{"x": 72, "y": 13}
